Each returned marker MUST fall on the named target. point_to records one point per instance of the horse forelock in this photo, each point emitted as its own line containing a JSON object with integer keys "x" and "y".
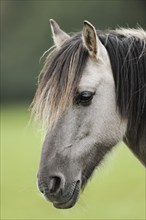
{"x": 58, "y": 81}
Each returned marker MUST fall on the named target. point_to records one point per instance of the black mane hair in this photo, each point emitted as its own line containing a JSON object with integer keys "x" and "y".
{"x": 128, "y": 61}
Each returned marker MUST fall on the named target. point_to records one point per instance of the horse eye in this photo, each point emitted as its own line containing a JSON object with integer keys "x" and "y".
{"x": 84, "y": 98}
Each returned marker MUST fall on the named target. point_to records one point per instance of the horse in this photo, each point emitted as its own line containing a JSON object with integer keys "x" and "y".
{"x": 91, "y": 95}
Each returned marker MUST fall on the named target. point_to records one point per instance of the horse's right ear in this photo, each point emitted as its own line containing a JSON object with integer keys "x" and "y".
{"x": 59, "y": 36}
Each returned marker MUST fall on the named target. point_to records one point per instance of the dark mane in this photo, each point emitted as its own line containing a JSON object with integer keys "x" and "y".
{"x": 128, "y": 61}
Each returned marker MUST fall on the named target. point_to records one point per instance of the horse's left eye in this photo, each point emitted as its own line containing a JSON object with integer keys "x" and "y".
{"x": 84, "y": 98}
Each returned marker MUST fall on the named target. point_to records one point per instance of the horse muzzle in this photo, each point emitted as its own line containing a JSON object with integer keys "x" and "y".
{"x": 63, "y": 195}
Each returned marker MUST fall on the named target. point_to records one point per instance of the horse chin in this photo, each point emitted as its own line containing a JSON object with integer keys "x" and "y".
{"x": 71, "y": 201}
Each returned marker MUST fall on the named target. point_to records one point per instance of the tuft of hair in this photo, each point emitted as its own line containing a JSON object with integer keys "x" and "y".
{"x": 127, "y": 52}
{"x": 58, "y": 81}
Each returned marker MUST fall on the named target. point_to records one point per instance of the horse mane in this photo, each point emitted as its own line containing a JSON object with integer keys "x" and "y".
{"x": 63, "y": 70}
{"x": 128, "y": 61}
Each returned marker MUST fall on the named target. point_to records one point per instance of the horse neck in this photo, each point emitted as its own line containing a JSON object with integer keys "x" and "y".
{"x": 128, "y": 61}
{"x": 135, "y": 136}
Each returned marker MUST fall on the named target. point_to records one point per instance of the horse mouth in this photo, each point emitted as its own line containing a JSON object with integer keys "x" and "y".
{"x": 71, "y": 201}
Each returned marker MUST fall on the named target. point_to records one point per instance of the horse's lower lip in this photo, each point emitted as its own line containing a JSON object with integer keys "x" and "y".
{"x": 72, "y": 200}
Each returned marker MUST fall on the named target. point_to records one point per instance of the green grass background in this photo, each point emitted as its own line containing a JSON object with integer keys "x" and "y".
{"x": 116, "y": 191}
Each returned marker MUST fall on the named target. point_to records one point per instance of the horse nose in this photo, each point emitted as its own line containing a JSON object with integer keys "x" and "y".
{"x": 55, "y": 185}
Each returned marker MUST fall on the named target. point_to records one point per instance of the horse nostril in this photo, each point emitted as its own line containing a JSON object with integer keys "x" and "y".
{"x": 55, "y": 184}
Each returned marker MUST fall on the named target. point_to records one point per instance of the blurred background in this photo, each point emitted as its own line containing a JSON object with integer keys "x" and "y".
{"x": 117, "y": 190}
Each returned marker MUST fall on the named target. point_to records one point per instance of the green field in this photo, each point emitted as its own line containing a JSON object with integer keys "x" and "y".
{"x": 116, "y": 191}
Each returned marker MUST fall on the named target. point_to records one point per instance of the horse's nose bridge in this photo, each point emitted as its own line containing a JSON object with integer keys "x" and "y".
{"x": 55, "y": 164}
{"x": 59, "y": 162}
{"x": 62, "y": 160}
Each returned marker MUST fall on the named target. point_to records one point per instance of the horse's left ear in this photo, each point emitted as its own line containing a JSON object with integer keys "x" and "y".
{"x": 90, "y": 39}
{"x": 59, "y": 36}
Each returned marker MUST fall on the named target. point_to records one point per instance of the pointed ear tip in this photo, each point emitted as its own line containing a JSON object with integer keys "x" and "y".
{"x": 86, "y": 22}
{"x": 51, "y": 21}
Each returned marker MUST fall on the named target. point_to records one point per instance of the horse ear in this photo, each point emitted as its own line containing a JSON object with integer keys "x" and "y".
{"x": 59, "y": 36}
{"x": 90, "y": 39}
